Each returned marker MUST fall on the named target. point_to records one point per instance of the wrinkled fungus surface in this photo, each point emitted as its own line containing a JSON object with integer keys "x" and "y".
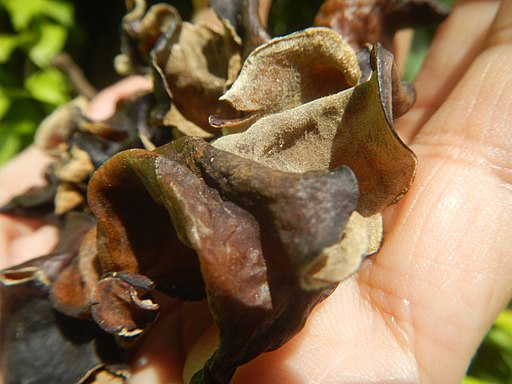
{"x": 252, "y": 176}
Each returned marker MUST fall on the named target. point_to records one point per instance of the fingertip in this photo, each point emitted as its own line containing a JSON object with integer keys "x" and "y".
{"x": 103, "y": 105}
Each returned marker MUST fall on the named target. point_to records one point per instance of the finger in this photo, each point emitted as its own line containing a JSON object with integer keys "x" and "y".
{"x": 25, "y": 246}
{"x": 402, "y": 43}
{"x": 22, "y": 172}
{"x": 19, "y": 238}
{"x": 264, "y": 11}
{"x": 450, "y": 237}
{"x": 9, "y": 230}
{"x": 456, "y": 44}
{"x": 103, "y": 105}
{"x": 344, "y": 341}
{"x": 475, "y": 117}
{"x": 161, "y": 358}
{"x": 501, "y": 32}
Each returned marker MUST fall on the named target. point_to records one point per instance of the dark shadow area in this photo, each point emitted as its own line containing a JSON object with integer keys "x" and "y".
{"x": 39, "y": 345}
{"x": 96, "y": 41}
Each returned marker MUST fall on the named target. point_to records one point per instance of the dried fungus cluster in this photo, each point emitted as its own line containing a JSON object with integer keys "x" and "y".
{"x": 253, "y": 175}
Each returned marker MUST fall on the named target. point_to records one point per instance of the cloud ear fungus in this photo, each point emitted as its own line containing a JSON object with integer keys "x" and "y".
{"x": 194, "y": 65}
{"x": 353, "y": 128}
{"x": 251, "y": 235}
{"x": 68, "y": 294}
{"x": 290, "y": 219}
{"x": 377, "y": 20}
{"x": 362, "y": 237}
{"x": 245, "y": 19}
{"x": 289, "y": 71}
{"x": 104, "y": 374}
{"x": 397, "y": 97}
{"x": 41, "y": 345}
{"x": 135, "y": 233}
{"x": 55, "y": 130}
{"x": 225, "y": 237}
{"x": 38, "y": 343}
{"x": 287, "y": 203}
{"x": 141, "y": 28}
{"x": 118, "y": 305}
{"x": 383, "y": 164}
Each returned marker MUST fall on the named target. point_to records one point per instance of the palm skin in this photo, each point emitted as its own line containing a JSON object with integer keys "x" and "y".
{"x": 417, "y": 310}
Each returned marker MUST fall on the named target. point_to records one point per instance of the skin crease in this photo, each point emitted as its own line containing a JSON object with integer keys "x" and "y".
{"x": 417, "y": 310}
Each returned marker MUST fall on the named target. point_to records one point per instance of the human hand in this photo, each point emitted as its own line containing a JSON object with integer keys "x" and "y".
{"x": 23, "y": 239}
{"x": 417, "y": 310}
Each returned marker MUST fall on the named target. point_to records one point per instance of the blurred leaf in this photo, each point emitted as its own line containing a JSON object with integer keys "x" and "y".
{"x": 474, "y": 380}
{"x": 8, "y": 43}
{"x": 13, "y": 93}
{"x": 22, "y": 117}
{"x": 27, "y": 96}
{"x": 501, "y": 338}
{"x": 48, "y": 86}
{"x": 5, "y": 103}
{"x": 60, "y": 11}
{"x": 17, "y": 126}
{"x": 51, "y": 41}
{"x": 504, "y": 321}
{"x": 23, "y": 12}
{"x": 12, "y": 139}
{"x": 10, "y": 144}
{"x": 419, "y": 50}
{"x": 7, "y": 77}
{"x": 23, "y": 127}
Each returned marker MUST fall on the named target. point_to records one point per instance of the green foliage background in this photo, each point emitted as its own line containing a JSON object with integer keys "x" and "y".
{"x": 32, "y": 32}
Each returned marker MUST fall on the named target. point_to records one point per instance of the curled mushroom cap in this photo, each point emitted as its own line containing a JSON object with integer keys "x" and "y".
{"x": 289, "y": 71}
{"x": 352, "y": 127}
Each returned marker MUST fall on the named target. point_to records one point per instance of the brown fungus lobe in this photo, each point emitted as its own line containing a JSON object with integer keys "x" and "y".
{"x": 254, "y": 237}
{"x": 192, "y": 64}
{"x": 352, "y": 127}
{"x": 39, "y": 344}
{"x": 363, "y": 22}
